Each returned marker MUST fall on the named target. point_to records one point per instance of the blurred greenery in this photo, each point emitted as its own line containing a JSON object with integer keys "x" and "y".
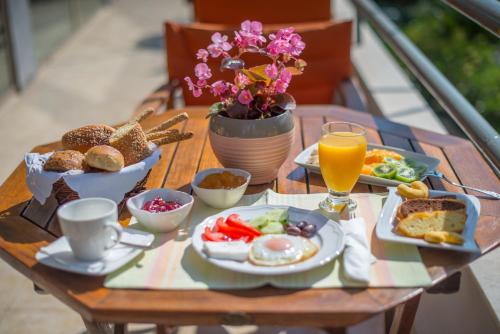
{"x": 467, "y": 54}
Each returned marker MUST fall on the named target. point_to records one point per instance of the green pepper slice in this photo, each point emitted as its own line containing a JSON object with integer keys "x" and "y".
{"x": 385, "y": 171}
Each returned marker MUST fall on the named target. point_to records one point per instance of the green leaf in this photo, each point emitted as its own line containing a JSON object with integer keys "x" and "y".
{"x": 215, "y": 109}
{"x": 257, "y": 73}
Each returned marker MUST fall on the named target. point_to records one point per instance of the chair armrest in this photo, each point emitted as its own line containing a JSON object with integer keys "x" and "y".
{"x": 349, "y": 95}
{"x": 162, "y": 96}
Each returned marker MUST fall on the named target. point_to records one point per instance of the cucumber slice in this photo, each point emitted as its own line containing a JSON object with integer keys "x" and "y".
{"x": 258, "y": 221}
{"x": 273, "y": 228}
{"x": 406, "y": 174}
{"x": 277, "y": 215}
{"x": 385, "y": 171}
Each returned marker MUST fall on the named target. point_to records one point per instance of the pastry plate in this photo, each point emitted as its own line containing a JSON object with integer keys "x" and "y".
{"x": 329, "y": 238}
{"x": 432, "y": 163}
{"x": 387, "y": 222}
{"x": 58, "y": 255}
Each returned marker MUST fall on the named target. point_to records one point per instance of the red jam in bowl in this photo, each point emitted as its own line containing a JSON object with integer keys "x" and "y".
{"x": 159, "y": 205}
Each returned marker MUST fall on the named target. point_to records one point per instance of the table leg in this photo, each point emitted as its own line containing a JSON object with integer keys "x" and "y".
{"x": 94, "y": 327}
{"x": 120, "y": 329}
{"x": 335, "y": 330}
{"x": 400, "y": 319}
{"x": 164, "y": 329}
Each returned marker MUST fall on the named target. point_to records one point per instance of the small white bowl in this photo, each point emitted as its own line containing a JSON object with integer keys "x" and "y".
{"x": 220, "y": 198}
{"x": 161, "y": 221}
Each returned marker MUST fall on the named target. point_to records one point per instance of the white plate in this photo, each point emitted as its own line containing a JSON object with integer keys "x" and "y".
{"x": 330, "y": 239}
{"x": 58, "y": 255}
{"x": 387, "y": 222}
{"x": 431, "y": 163}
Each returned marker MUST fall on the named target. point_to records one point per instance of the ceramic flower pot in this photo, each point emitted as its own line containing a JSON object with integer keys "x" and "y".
{"x": 258, "y": 146}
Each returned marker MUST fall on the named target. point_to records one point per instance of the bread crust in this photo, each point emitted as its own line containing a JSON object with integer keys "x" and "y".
{"x": 105, "y": 157}
{"x": 421, "y": 205}
{"x": 131, "y": 141}
{"x": 63, "y": 161}
{"x": 86, "y": 137}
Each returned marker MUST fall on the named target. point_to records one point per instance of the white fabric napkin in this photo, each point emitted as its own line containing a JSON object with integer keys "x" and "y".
{"x": 357, "y": 255}
{"x": 108, "y": 185}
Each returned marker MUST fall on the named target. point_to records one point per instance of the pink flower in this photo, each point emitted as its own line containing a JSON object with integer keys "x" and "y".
{"x": 278, "y": 46}
{"x": 219, "y": 45}
{"x": 202, "y": 71}
{"x": 245, "y": 97}
{"x": 192, "y": 87}
{"x": 201, "y": 83}
{"x": 286, "y": 76}
{"x": 234, "y": 89}
{"x": 249, "y": 35}
{"x": 296, "y": 45}
{"x": 271, "y": 71}
{"x": 241, "y": 80}
{"x": 219, "y": 88}
{"x": 202, "y": 54}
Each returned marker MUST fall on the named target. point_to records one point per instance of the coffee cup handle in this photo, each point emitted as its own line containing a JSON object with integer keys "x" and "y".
{"x": 118, "y": 230}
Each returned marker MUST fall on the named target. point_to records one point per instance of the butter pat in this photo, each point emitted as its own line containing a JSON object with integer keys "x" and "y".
{"x": 227, "y": 250}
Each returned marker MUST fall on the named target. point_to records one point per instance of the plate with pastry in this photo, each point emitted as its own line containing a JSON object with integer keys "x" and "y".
{"x": 384, "y": 166}
{"x": 413, "y": 214}
{"x": 268, "y": 240}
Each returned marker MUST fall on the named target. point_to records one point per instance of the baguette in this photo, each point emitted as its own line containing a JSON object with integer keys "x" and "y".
{"x": 169, "y": 123}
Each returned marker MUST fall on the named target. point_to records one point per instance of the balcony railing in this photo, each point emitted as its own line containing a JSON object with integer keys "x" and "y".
{"x": 479, "y": 131}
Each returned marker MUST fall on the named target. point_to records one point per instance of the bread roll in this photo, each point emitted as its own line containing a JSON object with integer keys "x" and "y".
{"x": 131, "y": 141}
{"x": 62, "y": 161}
{"x": 104, "y": 157}
{"x": 82, "y": 139}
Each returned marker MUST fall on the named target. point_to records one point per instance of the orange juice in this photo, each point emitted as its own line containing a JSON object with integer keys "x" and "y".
{"x": 341, "y": 158}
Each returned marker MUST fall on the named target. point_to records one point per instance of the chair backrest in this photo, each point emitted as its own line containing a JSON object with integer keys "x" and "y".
{"x": 327, "y": 54}
{"x": 232, "y": 12}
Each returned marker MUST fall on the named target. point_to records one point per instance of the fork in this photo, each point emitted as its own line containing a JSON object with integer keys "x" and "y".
{"x": 441, "y": 176}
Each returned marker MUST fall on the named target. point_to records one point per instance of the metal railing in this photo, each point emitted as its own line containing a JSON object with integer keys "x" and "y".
{"x": 486, "y": 13}
{"x": 481, "y": 133}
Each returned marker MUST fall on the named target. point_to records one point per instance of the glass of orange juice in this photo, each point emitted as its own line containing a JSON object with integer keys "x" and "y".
{"x": 342, "y": 150}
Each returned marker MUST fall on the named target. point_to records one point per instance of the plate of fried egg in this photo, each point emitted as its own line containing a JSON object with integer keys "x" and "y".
{"x": 268, "y": 240}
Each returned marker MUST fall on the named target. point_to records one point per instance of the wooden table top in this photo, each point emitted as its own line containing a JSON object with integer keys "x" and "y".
{"x": 25, "y": 226}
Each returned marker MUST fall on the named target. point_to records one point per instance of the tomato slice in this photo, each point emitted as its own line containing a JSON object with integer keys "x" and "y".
{"x": 235, "y": 221}
{"x": 209, "y": 235}
{"x": 230, "y": 231}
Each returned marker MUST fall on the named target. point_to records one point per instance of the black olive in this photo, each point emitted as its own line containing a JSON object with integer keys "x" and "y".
{"x": 309, "y": 230}
{"x": 293, "y": 230}
{"x": 301, "y": 224}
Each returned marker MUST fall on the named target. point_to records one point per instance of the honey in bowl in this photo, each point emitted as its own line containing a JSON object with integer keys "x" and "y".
{"x": 224, "y": 180}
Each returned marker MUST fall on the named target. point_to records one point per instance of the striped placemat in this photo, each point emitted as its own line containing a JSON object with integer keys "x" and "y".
{"x": 172, "y": 262}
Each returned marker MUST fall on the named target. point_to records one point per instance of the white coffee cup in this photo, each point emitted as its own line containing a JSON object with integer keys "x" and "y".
{"x": 91, "y": 227}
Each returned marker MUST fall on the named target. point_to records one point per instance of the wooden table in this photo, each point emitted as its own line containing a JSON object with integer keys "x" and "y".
{"x": 25, "y": 226}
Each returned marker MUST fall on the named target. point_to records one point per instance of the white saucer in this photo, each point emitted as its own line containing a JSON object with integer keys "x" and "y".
{"x": 58, "y": 255}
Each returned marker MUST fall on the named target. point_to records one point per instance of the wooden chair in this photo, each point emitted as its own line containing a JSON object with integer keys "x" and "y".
{"x": 326, "y": 80}
{"x": 232, "y": 12}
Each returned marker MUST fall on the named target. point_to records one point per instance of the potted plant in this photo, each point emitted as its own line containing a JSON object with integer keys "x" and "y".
{"x": 251, "y": 126}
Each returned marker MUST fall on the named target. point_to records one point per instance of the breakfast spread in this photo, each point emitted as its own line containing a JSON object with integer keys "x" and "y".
{"x": 158, "y": 204}
{"x": 385, "y": 164}
{"x": 432, "y": 219}
{"x": 224, "y": 180}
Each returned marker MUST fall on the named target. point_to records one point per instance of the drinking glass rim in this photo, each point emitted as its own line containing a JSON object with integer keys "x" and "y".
{"x": 360, "y": 127}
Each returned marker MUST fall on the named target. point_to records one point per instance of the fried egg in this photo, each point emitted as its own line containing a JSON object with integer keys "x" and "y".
{"x": 281, "y": 249}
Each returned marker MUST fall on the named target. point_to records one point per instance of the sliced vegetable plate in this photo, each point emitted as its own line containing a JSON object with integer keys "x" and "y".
{"x": 387, "y": 222}
{"x": 423, "y": 162}
{"x": 329, "y": 238}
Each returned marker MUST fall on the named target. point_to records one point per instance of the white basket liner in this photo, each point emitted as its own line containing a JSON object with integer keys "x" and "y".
{"x": 113, "y": 186}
